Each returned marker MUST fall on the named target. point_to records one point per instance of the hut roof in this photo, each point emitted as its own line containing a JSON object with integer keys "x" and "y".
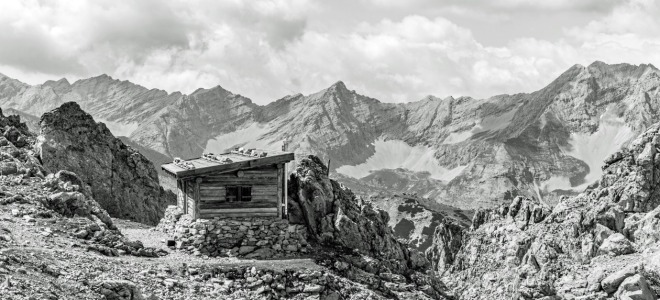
{"x": 226, "y": 162}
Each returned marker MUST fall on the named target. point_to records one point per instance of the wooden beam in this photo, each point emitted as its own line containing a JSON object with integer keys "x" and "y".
{"x": 185, "y": 196}
{"x": 204, "y": 206}
{"x": 196, "y": 198}
{"x": 280, "y": 178}
{"x": 239, "y": 215}
{"x": 286, "y": 193}
{"x": 241, "y": 210}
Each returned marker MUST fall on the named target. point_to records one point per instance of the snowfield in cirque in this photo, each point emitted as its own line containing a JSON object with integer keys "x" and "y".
{"x": 593, "y": 149}
{"x": 250, "y": 137}
{"x": 395, "y": 154}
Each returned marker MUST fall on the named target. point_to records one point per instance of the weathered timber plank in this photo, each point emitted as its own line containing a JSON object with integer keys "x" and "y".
{"x": 232, "y": 205}
{"x": 244, "y": 182}
{"x": 213, "y": 193}
{"x": 238, "y": 215}
{"x": 241, "y": 210}
{"x": 272, "y": 199}
{"x": 211, "y": 187}
{"x": 248, "y": 176}
{"x": 280, "y": 173}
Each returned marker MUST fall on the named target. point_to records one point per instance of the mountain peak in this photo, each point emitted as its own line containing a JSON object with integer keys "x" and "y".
{"x": 338, "y": 86}
{"x": 66, "y": 116}
{"x": 216, "y": 89}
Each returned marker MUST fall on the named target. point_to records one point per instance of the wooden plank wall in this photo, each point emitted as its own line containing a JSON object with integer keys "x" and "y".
{"x": 265, "y": 188}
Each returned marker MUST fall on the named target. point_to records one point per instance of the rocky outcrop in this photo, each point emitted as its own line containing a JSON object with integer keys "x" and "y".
{"x": 350, "y": 231}
{"x": 595, "y": 245}
{"x": 448, "y": 239}
{"x": 122, "y": 181}
{"x": 336, "y": 217}
{"x": 63, "y": 194}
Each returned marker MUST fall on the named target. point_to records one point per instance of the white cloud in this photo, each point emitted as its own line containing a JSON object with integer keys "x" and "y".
{"x": 271, "y": 48}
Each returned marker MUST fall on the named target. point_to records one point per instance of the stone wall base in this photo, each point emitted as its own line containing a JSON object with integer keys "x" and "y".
{"x": 260, "y": 238}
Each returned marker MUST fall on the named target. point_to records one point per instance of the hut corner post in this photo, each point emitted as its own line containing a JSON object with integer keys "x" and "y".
{"x": 196, "y": 197}
{"x": 285, "y": 145}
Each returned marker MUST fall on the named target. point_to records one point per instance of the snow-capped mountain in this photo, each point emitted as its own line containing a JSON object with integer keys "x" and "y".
{"x": 463, "y": 152}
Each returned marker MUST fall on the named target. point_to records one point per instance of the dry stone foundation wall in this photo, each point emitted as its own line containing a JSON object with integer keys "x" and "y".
{"x": 245, "y": 237}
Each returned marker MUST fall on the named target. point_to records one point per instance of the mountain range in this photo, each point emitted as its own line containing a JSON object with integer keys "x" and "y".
{"x": 459, "y": 151}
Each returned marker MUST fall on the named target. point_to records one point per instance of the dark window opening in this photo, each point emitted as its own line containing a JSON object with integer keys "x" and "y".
{"x": 231, "y": 194}
{"x": 238, "y": 193}
{"x": 246, "y": 193}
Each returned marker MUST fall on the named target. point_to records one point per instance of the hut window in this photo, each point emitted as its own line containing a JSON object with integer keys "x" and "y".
{"x": 238, "y": 193}
{"x": 246, "y": 193}
{"x": 232, "y": 193}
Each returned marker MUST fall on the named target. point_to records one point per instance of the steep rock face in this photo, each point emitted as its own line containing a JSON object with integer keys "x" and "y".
{"x": 353, "y": 235}
{"x": 525, "y": 250}
{"x": 184, "y": 127}
{"x": 336, "y": 217}
{"x": 123, "y": 181}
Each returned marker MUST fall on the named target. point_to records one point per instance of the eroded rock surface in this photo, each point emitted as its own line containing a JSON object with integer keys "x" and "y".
{"x": 122, "y": 180}
{"x": 351, "y": 231}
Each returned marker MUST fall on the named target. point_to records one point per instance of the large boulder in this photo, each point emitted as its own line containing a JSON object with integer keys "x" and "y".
{"x": 119, "y": 290}
{"x": 122, "y": 180}
{"x": 616, "y": 244}
{"x": 635, "y": 288}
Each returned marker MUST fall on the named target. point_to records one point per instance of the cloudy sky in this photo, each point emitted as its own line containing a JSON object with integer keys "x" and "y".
{"x": 394, "y": 51}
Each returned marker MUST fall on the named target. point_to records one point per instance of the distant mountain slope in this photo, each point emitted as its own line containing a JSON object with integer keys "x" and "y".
{"x": 462, "y": 151}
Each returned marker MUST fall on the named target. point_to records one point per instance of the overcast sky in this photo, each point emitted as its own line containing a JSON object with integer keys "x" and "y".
{"x": 394, "y": 51}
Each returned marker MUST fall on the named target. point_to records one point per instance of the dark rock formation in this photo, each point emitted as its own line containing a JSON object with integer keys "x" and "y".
{"x": 447, "y": 241}
{"x": 122, "y": 181}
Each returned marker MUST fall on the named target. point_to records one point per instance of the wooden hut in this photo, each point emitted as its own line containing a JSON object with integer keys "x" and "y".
{"x": 242, "y": 183}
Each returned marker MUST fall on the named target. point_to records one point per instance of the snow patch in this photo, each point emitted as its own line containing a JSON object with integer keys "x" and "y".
{"x": 556, "y": 183}
{"x": 457, "y": 137}
{"x": 250, "y": 137}
{"x": 594, "y": 148}
{"x": 395, "y": 154}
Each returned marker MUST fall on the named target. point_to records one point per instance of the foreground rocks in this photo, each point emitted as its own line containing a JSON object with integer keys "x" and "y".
{"x": 122, "y": 180}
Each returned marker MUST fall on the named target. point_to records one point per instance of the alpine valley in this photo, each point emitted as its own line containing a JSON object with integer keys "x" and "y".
{"x": 446, "y": 156}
